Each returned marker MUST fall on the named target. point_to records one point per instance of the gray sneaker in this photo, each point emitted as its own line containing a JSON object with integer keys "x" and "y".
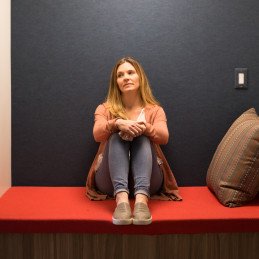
{"x": 141, "y": 214}
{"x": 122, "y": 214}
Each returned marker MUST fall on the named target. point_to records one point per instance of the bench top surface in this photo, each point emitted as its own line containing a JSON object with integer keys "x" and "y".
{"x": 67, "y": 209}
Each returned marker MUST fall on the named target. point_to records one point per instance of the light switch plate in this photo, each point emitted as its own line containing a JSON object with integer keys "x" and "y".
{"x": 241, "y": 78}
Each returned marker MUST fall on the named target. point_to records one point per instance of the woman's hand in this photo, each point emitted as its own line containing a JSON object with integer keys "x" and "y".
{"x": 143, "y": 126}
{"x": 131, "y": 128}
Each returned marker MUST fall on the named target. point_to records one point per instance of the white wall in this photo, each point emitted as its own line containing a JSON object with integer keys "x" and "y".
{"x": 5, "y": 95}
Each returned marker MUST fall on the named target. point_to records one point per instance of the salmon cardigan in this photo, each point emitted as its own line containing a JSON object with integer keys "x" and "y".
{"x": 156, "y": 131}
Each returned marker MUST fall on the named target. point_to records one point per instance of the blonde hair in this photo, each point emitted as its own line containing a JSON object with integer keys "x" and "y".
{"x": 114, "y": 99}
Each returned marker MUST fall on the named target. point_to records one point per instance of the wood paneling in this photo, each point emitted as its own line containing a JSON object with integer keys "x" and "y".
{"x": 76, "y": 246}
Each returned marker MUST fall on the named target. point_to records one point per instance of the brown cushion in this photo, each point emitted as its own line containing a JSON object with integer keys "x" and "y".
{"x": 233, "y": 174}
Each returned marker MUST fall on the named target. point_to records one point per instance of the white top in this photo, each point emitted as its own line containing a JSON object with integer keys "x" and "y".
{"x": 141, "y": 116}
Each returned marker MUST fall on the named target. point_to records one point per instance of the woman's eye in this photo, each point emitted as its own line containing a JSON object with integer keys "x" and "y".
{"x": 119, "y": 75}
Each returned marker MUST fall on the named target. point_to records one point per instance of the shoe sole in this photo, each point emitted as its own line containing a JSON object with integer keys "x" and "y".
{"x": 142, "y": 221}
{"x": 121, "y": 222}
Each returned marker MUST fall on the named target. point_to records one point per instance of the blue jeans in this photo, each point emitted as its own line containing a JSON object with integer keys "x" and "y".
{"x": 129, "y": 166}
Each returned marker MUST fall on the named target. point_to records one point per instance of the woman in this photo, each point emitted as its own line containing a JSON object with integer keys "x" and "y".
{"x": 130, "y": 125}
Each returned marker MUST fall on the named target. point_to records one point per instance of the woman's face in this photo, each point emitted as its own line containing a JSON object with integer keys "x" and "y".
{"x": 127, "y": 78}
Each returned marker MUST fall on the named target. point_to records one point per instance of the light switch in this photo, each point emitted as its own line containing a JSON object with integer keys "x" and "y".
{"x": 241, "y": 78}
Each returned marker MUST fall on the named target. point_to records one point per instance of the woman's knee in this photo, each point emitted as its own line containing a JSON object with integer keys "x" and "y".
{"x": 143, "y": 140}
{"x": 114, "y": 137}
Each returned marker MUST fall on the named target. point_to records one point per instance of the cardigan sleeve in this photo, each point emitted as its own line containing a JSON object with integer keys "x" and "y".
{"x": 157, "y": 130}
{"x": 103, "y": 125}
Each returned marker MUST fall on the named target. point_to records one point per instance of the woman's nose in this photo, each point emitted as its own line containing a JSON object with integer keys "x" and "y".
{"x": 126, "y": 77}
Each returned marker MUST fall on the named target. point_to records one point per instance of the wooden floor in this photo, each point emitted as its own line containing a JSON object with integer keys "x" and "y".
{"x": 76, "y": 246}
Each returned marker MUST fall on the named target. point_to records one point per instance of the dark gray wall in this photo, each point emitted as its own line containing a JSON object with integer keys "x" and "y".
{"x": 62, "y": 56}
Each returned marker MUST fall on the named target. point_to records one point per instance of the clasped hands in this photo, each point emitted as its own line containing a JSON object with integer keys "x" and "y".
{"x": 130, "y": 129}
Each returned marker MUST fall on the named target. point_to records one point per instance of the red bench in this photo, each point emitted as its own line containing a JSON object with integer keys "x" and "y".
{"x": 67, "y": 209}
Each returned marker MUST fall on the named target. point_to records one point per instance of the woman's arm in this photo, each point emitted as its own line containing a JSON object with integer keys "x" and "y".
{"x": 103, "y": 127}
{"x": 157, "y": 130}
